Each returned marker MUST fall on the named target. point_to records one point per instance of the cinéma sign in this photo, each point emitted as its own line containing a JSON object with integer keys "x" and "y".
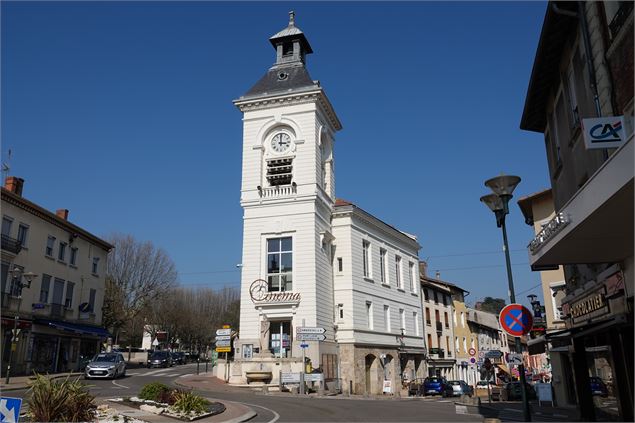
{"x": 260, "y": 294}
{"x": 603, "y": 132}
{"x": 554, "y": 226}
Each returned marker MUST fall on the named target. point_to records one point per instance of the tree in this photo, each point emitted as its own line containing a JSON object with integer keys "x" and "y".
{"x": 138, "y": 274}
{"x": 492, "y": 305}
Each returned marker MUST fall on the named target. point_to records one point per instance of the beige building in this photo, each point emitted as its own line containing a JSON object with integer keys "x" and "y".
{"x": 538, "y": 210}
{"x": 60, "y": 314}
{"x": 465, "y": 341}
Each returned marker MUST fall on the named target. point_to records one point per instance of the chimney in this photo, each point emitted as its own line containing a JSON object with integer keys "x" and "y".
{"x": 14, "y": 184}
{"x": 63, "y": 213}
{"x": 438, "y": 275}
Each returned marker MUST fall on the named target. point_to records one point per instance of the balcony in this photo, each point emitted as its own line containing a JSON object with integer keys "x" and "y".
{"x": 57, "y": 311}
{"x": 439, "y": 327}
{"x": 437, "y": 353}
{"x": 11, "y": 245}
{"x": 278, "y": 191}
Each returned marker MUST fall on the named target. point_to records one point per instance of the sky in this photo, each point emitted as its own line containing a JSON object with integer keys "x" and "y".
{"x": 122, "y": 113}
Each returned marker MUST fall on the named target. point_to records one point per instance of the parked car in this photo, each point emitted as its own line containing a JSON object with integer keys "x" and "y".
{"x": 512, "y": 391}
{"x": 106, "y": 365}
{"x": 160, "y": 359}
{"x": 598, "y": 387}
{"x": 482, "y": 384}
{"x": 433, "y": 385}
{"x": 456, "y": 388}
{"x": 178, "y": 357}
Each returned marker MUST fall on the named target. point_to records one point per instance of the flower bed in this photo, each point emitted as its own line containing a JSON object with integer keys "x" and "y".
{"x": 195, "y": 408}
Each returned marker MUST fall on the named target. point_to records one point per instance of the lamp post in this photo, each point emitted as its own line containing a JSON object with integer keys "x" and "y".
{"x": 502, "y": 187}
{"x": 17, "y": 274}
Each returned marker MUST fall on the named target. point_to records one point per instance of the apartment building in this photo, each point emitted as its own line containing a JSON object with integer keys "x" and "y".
{"x": 439, "y": 330}
{"x": 580, "y": 95}
{"x": 464, "y": 339}
{"x": 538, "y": 210}
{"x": 59, "y": 313}
{"x": 492, "y": 342}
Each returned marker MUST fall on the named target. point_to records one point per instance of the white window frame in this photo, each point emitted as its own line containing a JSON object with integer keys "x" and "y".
{"x": 462, "y": 319}
{"x": 23, "y": 241}
{"x": 366, "y": 259}
{"x": 411, "y": 272}
{"x": 95, "y": 266}
{"x": 398, "y": 271}
{"x": 50, "y": 245}
{"x": 415, "y": 317}
{"x": 280, "y": 273}
{"x": 382, "y": 266}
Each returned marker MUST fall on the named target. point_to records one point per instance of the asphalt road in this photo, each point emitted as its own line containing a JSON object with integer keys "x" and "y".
{"x": 276, "y": 408}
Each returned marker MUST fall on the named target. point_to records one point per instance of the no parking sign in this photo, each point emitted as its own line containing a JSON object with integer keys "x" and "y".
{"x": 516, "y": 319}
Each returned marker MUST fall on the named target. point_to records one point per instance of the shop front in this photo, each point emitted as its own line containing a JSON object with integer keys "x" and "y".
{"x": 601, "y": 326}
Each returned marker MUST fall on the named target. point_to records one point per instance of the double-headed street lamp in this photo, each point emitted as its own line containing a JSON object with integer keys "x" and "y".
{"x": 502, "y": 187}
{"x": 17, "y": 274}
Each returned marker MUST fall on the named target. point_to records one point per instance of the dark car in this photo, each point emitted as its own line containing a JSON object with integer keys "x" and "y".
{"x": 178, "y": 357}
{"x": 160, "y": 359}
{"x": 598, "y": 387}
{"x": 513, "y": 392}
{"x": 433, "y": 385}
{"x": 456, "y": 388}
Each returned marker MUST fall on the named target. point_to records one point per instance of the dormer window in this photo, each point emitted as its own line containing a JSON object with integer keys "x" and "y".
{"x": 287, "y": 49}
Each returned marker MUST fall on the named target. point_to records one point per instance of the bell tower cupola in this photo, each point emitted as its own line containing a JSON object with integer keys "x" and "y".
{"x": 291, "y": 45}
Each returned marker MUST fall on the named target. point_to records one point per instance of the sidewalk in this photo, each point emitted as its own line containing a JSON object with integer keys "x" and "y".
{"x": 17, "y": 383}
{"x": 513, "y": 410}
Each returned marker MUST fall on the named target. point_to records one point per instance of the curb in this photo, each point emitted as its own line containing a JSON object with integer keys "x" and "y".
{"x": 247, "y": 416}
{"x": 23, "y": 387}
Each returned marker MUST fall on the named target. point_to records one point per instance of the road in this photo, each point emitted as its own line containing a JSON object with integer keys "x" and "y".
{"x": 272, "y": 408}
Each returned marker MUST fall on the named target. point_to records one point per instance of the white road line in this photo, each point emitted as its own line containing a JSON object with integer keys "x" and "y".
{"x": 133, "y": 374}
{"x": 276, "y": 415}
{"x": 513, "y": 409}
{"x": 121, "y": 386}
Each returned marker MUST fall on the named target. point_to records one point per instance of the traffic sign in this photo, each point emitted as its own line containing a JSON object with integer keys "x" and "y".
{"x": 308, "y": 330}
{"x": 472, "y": 360}
{"x": 310, "y": 337}
{"x": 514, "y": 359}
{"x": 516, "y": 319}
{"x": 472, "y": 352}
{"x": 223, "y": 343}
{"x": 481, "y": 354}
{"x": 479, "y": 363}
{"x": 223, "y": 332}
{"x": 223, "y": 349}
{"x": 10, "y": 409}
{"x": 304, "y": 345}
{"x": 223, "y": 337}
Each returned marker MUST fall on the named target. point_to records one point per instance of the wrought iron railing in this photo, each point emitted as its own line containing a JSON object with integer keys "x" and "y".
{"x": 11, "y": 245}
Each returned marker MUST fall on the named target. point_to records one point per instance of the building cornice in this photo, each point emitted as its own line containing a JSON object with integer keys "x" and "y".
{"x": 42, "y": 213}
{"x": 276, "y": 100}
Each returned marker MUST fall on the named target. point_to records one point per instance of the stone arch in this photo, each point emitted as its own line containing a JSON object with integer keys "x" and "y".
{"x": 371, "y": 373}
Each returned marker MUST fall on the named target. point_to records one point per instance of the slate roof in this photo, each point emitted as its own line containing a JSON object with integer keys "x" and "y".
{"x": 297, "y": 79}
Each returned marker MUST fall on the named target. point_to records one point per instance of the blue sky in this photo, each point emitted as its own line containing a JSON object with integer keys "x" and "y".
{"x": 122, "y": 112}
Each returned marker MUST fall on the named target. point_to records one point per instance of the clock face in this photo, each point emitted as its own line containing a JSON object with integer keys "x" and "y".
{"x": 258, "y": 290}
{"x": 280, "y": 142}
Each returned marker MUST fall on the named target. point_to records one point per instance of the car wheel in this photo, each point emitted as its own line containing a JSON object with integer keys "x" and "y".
{"x": 123, "y": 374}
{"x": 116, "y": 375}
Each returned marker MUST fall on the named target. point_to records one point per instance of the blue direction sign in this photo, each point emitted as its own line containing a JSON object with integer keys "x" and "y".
{"x": 516, "y": 319}
{"x": 10, "y": 409}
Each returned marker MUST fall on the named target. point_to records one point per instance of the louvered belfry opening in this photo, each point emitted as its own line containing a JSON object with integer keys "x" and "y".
{"x": 279, "y": 171}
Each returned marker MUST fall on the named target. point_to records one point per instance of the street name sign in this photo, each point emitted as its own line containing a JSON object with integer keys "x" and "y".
{"x": 516, "y": 319}
{"x": 309, "y": 330}
{"x": 310, "y": 337}
{"x": 223, "y": 337}
{"x": 223, "y": 332}
{"x": 223, "y": 343}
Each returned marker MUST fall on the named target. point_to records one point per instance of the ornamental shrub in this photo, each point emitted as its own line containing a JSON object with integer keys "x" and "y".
{"x": 60, "y": 401}
{"x": 152, "y": 391}
{"x": 187, "y": 402}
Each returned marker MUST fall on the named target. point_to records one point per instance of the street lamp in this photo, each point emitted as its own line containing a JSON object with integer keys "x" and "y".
{"x": 17, "y": 274}
{"x": 503, "y": 187}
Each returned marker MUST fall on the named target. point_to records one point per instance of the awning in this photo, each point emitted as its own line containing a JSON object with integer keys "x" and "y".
{"x": 503, "y": 368}
{"x": 75, "y": 328}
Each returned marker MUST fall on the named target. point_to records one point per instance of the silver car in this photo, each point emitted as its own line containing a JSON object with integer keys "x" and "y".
{"x": 106, "y": 365}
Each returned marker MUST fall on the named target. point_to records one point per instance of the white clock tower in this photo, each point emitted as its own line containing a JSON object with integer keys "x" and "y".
{"x": 288, "y": 194}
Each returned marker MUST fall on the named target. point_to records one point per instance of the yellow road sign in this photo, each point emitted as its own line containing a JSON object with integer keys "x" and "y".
{"x": 223, "y": 349}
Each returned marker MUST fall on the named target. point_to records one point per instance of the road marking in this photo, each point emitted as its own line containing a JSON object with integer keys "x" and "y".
{"x": 276, "y": 415}
{"x": 133, "y": 374}
{"x": 514, "y": 410}
{"x": 116, "y": 384}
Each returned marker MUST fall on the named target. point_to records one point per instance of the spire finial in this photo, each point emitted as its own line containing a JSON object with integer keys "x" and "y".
{"x": 292, "y": 18}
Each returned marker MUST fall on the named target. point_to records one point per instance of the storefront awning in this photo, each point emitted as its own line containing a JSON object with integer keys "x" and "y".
{"x": 75, "y": 328}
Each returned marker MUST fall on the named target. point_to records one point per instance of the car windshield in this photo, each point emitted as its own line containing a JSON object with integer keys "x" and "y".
{"x": 105, "y": 357}
{"x": 433, "y": 380}
{"x": 159, "y": 354}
